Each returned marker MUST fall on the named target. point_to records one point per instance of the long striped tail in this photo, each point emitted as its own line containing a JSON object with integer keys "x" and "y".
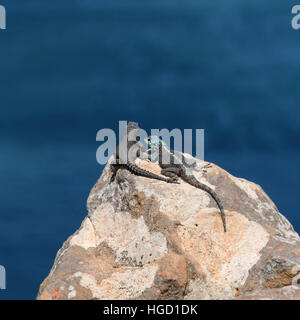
{"x": 144, "y": 173}
{"x": 195, "y": 183}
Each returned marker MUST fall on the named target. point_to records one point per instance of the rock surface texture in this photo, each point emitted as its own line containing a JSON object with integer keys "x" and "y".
{"x": 146, "y": 239}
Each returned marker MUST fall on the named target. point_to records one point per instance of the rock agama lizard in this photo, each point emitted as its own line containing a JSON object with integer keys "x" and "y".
{"x": 126, "y": 153}
{"x": 176, "y": 167}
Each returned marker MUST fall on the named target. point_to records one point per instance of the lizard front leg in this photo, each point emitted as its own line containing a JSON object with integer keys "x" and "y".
{"x": 114, "y": 168}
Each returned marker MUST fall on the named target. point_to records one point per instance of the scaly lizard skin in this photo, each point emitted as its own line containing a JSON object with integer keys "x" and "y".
{"x": 126, "y": 153}
{"x": 173, "y": 166}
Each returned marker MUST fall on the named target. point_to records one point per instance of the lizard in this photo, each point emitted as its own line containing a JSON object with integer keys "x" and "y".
{"x": 128, "y": 151}
{"x": 159, "y": 151}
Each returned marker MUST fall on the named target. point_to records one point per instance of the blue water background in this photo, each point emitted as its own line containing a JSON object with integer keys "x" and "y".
{"x": 69, "y": 68}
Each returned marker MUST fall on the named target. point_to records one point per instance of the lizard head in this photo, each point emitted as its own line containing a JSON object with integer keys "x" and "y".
{"x": 153, "y": 142}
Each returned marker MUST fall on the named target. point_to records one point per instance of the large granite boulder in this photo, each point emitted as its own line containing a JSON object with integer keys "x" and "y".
{"x": 146, "y": 239}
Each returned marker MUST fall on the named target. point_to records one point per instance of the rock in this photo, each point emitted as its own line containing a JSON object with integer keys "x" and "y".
{"x": 146, "y": 239}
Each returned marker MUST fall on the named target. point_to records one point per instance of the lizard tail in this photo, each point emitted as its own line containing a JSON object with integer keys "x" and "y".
{"x": 194, "y": 182}
{"x": 144, "y": 173}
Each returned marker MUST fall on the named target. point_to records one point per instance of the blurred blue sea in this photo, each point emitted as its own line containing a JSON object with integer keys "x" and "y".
{"x": 69, "y": 68}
